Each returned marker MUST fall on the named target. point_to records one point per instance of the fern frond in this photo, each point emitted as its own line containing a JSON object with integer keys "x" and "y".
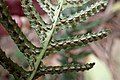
{"x": 14, "y": 31}
{"x": 31, "y": 13}
{"x": 35, "y": 20}
{"x": 77, "y": 41}
{"x": 46, "y": 33}
{"x": 84, "y": 14}
{"x": 47, "y": 40}
{"x": 65, "y": 68}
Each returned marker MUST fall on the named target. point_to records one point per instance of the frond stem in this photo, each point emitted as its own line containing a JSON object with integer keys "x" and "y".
{"x": 57, "y": 11}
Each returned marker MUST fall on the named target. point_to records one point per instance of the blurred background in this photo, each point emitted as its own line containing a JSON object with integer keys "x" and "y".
{"x": 105, "y": 53}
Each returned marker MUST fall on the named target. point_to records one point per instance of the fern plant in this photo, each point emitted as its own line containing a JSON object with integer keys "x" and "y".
{"x": 29, "y": 65}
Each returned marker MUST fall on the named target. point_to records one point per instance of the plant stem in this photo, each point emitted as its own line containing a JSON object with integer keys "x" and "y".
{"x": 57, "y": 11}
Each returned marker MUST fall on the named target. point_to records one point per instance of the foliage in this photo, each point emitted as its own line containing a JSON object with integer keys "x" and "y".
{"x": 64, "y": 15}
